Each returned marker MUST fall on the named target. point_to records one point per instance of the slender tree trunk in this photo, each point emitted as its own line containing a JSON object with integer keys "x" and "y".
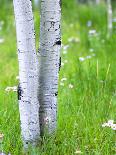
{"x": 50, "y": 43}
{"x": 27, "y": 90}
{"x": 97, "y": 1}
{"x": 109, "y": 19}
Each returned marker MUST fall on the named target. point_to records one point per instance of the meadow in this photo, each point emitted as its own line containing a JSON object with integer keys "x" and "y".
{"x": 87, "y": 84}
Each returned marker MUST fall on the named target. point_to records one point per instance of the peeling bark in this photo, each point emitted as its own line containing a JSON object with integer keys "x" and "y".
{"x": 28, "y": 75}
{"x": 49, "y": 61}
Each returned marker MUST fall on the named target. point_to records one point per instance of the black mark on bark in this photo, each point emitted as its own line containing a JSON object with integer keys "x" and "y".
{"x": 59, "y": 63}
{"x": 18, "y": 50}
{"x": 58, "y": 42}
{"x": 56, "y": 94}
{"x": 60, "y": 2}
{"x": 19, "y": 91}
{"x": 52, "y": 25}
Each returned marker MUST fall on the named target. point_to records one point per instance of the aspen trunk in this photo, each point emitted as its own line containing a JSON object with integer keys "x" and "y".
{"x": 97, "y": 1}
{"x": 109, "y": 17}
{"x": 27, "y": 90}
{"x": 49, "y": 53}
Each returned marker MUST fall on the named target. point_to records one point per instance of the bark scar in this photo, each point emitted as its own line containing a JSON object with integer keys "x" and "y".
{"x": 58, "y": 42}
{"x": 59, "y": 63}
{"x": 56, "y": 94}
{"x": 60, "y": 2}
{"x": 19, "y": 92}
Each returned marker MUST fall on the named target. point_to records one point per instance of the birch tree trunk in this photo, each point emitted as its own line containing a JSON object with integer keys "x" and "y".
{"x": 97, "y": 1}
{"x": 49, "y": 53}
{"x": 109, "y": 19}
{"x": 27, "y": 90}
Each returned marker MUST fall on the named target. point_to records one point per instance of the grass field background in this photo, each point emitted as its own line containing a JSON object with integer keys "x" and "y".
{"x": 87, "y": 84}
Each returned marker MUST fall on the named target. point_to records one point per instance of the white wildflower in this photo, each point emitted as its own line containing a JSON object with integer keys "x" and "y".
{"x": 62, "y": 45}
{"x": 62, "y": 63}
{"x": 17, "y": 77}
{"x": 89, "y": 23}
{"x": 2, "y": 153}
{"x": 113, "y": 126}
{"x": 81, "y": 59}
{"x": 89, "y": 57}
{"x": 64, "y": 79}
{"x": 92, "y": 32}
{"x": 65, "y": 52}
{"x": 14, "y": 88}
{"x": 104, "y": 125}
{"x": 78, "y": 152}
{"x": 73, "y": 39}
{"x": 8, "y": 89}
{"x": 70, "y": 39}
{"x": 61, "y": 84}
{"x": 1, "y": 40}
{"x": 77, "y": 40}
{"x": 65, "y": 61}
{"x": 91, "y": 50}
{"x": 70, "y": 86}
{"x": 110, "y": 122}
{"x": 65, "y": 47}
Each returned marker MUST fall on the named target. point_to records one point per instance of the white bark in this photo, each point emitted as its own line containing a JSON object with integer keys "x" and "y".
{"x": 97, "y": 1}
{"x": 50, "y": 42}
{"x": 109, "y": 12}
{"x": 27, "y": 91}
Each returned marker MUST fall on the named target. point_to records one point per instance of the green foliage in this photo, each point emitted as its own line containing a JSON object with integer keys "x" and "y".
{"x": 86, "y": 99}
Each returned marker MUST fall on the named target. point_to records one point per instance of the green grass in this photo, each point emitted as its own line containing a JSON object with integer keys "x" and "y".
{"x": 81, "y": 110}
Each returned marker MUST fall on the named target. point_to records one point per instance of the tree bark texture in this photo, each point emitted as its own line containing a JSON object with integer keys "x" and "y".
{"x": 28, "y": 75}
{"x": 49, "y": 61}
